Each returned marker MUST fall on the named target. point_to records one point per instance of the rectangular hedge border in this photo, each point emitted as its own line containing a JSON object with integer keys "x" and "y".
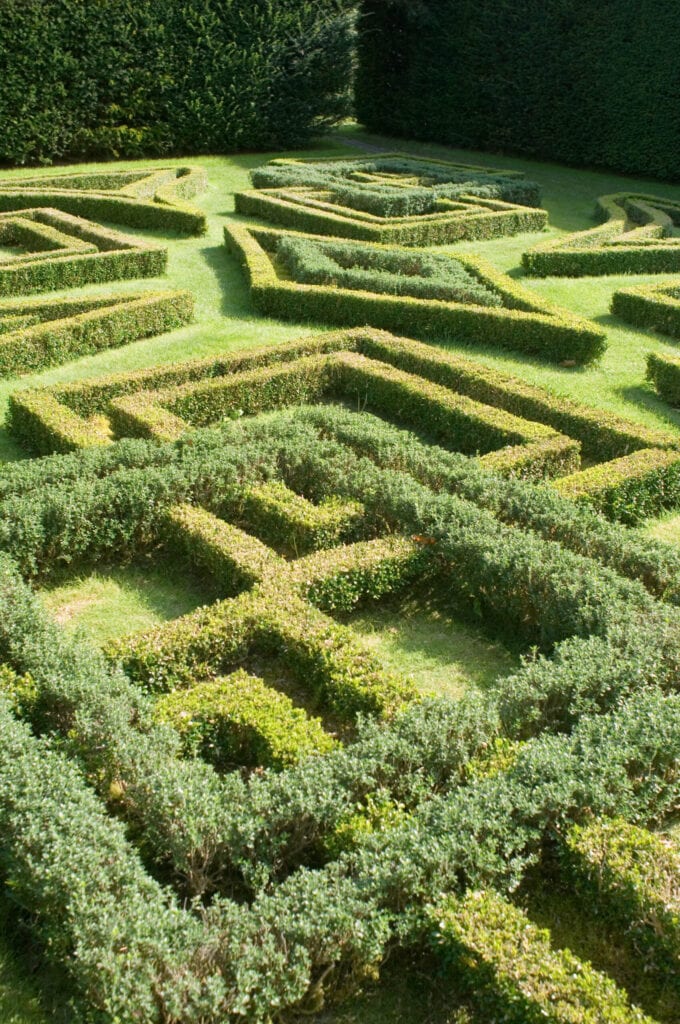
{"x": 655, "y": 307}
{"x": 301, "y": 210}
{"x": 525, "y": 323}
{"x": 55, "y": 331}
{"x": 155, "y": 199}
{"x": 610, "y": 248}
{"x": 115, "y": 257}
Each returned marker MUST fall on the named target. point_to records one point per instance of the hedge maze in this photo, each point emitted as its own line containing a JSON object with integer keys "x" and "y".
{"x": 639, "y": 236}
{"x": 238, "y": 814}
{"x": 147, "y": 198}
{"x": 224, "y": 746}
{"x": 297, "y": 276}
{"x": 393, "y": 198}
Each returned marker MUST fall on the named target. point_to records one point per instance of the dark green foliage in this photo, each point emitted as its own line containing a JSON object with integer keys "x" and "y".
{"x": 664, "y": 374}
{"x": 104, "y": 78}
{"x": 391, "y": 272}
{"x": 554, "y": 79}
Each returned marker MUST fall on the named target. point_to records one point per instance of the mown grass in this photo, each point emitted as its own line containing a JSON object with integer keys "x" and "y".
{"x": 429, "y": 645}
{"x": 116, "y": 601}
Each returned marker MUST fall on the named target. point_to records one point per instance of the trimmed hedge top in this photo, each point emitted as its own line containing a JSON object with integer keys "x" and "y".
{"x": 393, "y": 198}
{"x": 146, "y": 198}
{"x": 639, "y": 236}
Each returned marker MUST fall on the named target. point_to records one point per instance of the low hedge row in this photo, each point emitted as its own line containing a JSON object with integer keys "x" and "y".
{"x": 574, "y": 525}
{"x": 631, "y": 876}
{"x": 56, "y": 332}
{"x": 274, "y": 617}
{"x": 139, "y": 199}
{"x": 636, "y": 239}
{"x": 240, "y": 721}
{"x": 510, "y": 968}
{"x": 529, "y": 449}
{"x": 523, "y": 322}
{"x": 294, "y": 525}
{"x": 402, "y": 170}
{"x": 340, "y": 216}
{"x": 629, "y": 489}
{"x": 508, "y": 444}
{"x": 655, "y": 307}
{"x": 108, "y": 256}
{"x": 601, "y": 435}
{"x": 663, "y": 372}
{"x": 235, "y": 560}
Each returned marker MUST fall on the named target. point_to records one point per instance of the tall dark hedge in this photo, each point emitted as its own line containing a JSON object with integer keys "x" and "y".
{"x": 106, "y": 78}
{"x": 569, "y": 80}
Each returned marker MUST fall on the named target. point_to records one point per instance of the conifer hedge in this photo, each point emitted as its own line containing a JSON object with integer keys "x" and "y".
{"x": 109, "y": 78}
{"x": 559, "y": 79}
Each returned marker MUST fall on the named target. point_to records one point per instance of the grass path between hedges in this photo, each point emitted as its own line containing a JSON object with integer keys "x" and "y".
{"x": 438, "y": 651}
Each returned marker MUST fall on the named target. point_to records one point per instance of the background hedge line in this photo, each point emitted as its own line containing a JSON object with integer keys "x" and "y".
{"x": 107, "y": 78}
{"x": 558, "y": 79}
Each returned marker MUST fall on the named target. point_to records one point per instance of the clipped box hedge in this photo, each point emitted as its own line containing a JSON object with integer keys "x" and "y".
{"x": 511, "y": 970}
{"x": 155, "y": 198}
{"x": 636, "y": 238}
{"x": 522, "y": 322}
{"x": 655, "y": 307}
{"x": 240, "y": 721}
{"x": 633, "y": 878}
{"x": 45, "y": 332}
{"x": 663, "y": 372}
{"x": 630, "y": 489}
{"x": 80, "y": 252}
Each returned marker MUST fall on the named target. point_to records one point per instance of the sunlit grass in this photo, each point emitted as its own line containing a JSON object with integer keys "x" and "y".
{"x": 430, "y": 646}
{"x": 115, "y": 602}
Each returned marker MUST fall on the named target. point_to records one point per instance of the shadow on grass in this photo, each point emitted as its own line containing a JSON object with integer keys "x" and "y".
{"x": 643, "y": 396}
{"x": 236, "y": 304}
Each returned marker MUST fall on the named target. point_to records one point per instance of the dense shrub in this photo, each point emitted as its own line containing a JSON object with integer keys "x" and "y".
{"x": 522, "y": 321}
{"x": 467, "y": 75}
{"x": 57, "y": 331}
{"x": 510, "y": 968}
{"x": 109, "y": 79}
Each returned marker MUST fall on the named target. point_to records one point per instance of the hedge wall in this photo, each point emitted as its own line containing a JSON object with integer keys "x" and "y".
{"x": 558, "y": 79}
{"x": 109, "y": 78}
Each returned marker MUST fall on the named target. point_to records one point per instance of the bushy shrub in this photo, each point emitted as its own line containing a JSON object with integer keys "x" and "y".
{"x": 240, "y": 721}
{"x": 509, "y": 966}
{"x": 110, "y": 79}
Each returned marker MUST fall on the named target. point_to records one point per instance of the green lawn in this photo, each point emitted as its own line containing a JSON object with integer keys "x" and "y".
{"x": 427, "y": 644}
